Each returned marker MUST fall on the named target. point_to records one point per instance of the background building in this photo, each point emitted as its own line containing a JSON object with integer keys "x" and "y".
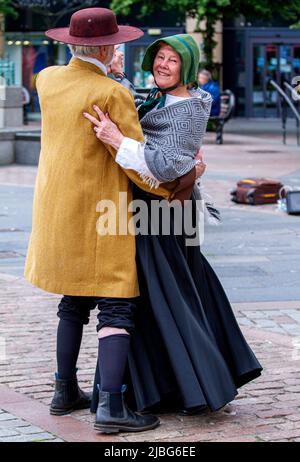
{"x": 249, "y": 54}
{"x": 30, "y": 51}
{"x": 253, "y": 54}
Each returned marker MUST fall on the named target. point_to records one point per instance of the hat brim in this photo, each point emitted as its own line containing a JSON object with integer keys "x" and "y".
{"x": 147, "y": 63}
{"x": 125, "y": 34}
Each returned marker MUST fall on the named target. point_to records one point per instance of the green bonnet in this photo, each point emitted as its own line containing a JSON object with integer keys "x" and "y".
{"x": 188, "y": 50}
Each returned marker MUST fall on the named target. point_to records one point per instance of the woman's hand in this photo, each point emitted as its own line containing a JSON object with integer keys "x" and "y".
{"x": 200, "y": 165}
{"x": 106, "y": 130}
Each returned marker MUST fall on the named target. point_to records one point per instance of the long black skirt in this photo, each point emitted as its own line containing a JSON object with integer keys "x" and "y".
{"x": 187, "y": 349}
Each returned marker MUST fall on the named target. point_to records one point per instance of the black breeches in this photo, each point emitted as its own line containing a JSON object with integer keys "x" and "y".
{"x": 113, "y": 312}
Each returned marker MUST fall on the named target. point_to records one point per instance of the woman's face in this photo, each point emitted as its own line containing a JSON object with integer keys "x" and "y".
{"x": 166, "y": 67}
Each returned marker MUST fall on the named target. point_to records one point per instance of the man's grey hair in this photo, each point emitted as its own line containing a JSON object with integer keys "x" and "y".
{"x": 206, "y": 73}
{"x": 77, "y": 50}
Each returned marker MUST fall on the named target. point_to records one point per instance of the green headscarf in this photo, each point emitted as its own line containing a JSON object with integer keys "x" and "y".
{"x": 188, "y": 50}
{"x": 189, "y": 53}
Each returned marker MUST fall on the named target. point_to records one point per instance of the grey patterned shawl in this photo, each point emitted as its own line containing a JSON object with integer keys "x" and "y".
{"x": 174, "y": 134}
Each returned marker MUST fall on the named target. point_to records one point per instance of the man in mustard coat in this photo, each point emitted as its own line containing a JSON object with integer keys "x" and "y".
{"x": 66, "y": 254}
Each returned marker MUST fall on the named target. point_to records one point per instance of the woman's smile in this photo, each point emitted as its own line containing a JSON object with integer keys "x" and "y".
{"x": 162, "y": 73}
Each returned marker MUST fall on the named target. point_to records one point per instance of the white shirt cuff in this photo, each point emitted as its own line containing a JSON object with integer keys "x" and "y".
{"x": 131, "y": 155}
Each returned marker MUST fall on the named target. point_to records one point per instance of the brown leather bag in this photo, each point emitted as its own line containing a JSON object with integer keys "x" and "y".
{"x": 256, "y": 191}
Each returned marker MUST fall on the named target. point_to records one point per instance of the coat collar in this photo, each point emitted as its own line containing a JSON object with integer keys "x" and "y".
{"x": 80, "y": 64}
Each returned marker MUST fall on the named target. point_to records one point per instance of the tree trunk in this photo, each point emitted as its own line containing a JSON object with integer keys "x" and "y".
{"x": 209, "y": 42}
{"x": 2, "y": 39}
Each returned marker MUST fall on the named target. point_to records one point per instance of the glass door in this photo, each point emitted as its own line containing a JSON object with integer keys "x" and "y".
{"x": 285, "y": 63}
{"x": 271, "y": 73}
{"x": 265, "y": 69}
{"x": 278, "y": 62}
{"x": 296, "y": 60}
{"x": 258, "y": 92}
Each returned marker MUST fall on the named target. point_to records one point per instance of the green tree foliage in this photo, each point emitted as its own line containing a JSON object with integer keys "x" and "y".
{"x": 5, "y": 9}
{"x": 211, "y": 11}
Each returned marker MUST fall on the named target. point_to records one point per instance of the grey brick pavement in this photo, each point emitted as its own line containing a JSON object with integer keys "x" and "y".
{"x": 13, "y": 429}
{"x": 255, "y": 252}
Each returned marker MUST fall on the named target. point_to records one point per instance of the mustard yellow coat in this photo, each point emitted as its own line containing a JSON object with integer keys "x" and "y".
{"x": 66, "y": 254}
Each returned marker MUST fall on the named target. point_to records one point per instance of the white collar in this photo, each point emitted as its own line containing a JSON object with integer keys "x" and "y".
{"x": 91, "y": 60}
{"x": 177, "y": 97}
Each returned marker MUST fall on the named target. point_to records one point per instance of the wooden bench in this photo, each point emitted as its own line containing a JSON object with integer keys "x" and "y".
{"x": 226, "y": 112}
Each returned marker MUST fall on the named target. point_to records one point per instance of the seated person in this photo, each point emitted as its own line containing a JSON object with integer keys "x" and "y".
{"x": 210, "y": 86}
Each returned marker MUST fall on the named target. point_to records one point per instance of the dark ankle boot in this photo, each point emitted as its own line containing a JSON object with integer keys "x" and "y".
{"x": 68, "y": 397}
{"x": 114, "y": 416}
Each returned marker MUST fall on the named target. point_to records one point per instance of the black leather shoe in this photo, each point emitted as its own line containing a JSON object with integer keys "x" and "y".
{"x": 114, "y": 416}
{"x": 68, "y": 397}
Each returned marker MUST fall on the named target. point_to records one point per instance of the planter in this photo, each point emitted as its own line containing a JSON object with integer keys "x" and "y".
{"x": 27, "y": 148}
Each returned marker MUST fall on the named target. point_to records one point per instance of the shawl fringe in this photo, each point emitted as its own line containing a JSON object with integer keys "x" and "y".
{"x": 152, "y": 182}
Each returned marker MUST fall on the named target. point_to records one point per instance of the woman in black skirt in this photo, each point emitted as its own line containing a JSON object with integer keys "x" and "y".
{"x": 187, "y": 351}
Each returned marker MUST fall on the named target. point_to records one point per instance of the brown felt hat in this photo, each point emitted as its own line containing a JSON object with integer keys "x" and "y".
{"x": 94, "y": 27}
